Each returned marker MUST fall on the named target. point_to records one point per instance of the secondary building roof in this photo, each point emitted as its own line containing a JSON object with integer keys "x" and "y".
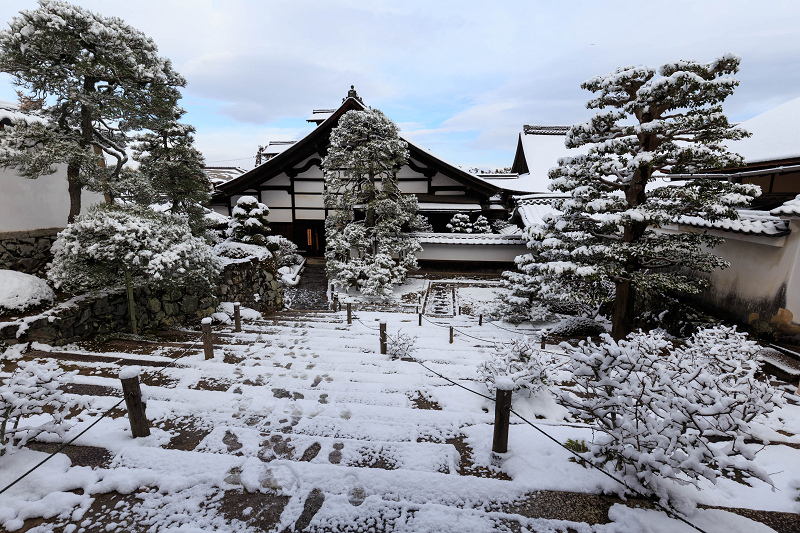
{"x": 776, "y": 135}
{"x": 538, "y": 150}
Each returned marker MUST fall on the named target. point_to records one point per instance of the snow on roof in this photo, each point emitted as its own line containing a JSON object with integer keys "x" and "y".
{"x": 788, "y": 209}
{"x": 320, "y": 115}
{"x": 10, "y": 112}
{"x": 469, "y": 238}
{"x": 776, "y": 134}
{"x": 217, "y": 175}
{"x": 276, "y": 147}
{"x": 534, "y": 214}
{"x": 542, "y": 147}
{"x": 749, "y": 223}
{"x": 435, "y": 206}
{"x": 533, "y": 208}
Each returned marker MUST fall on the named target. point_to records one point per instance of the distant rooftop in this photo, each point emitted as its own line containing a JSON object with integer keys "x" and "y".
{"x": 218, "y": 175}
{"x": 544, "y": 130}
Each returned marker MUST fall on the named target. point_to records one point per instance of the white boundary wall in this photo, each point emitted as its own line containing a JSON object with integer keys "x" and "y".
{"x": 39, "y": 203}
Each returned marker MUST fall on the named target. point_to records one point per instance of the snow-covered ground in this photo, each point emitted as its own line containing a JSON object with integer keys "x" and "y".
{"x": 300, "y": 421}
{"x": 20, "y": 291}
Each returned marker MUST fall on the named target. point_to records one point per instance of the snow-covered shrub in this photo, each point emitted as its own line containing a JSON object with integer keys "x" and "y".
{"x": 577, "y": 326}
{"x": 380, "y": 275}
{"x": 521, "y": 301}
{"x": 521, "y": 361}
{"x": 664, "y": 413}
{"x": 285, "y": 250}
{"x": 401, "y": 346}
{"x": 567, "y": 307}
{"x": 249, "y": 222}
{"x": 481, "y": 225}
{"x": 31, "y": 403}
{"x": 97, "y": 249}
{"x": 20, "y": 291}
{"x": 460, "y": 223}
{"x": 240, "y": 250}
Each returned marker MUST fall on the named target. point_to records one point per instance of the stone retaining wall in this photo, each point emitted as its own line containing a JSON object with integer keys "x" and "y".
{"x": 27, "y": 251}
{"x": 249, "y": 282}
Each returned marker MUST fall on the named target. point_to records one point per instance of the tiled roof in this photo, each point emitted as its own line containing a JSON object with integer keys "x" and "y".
{"x": 469, "y": 238}
{"x": 217, "y": 175}
{"x": 545, "y": 130}
{"x": 448, "y": 207}
{"x": 749, "y": 223}
{"x": 788, "y": 209}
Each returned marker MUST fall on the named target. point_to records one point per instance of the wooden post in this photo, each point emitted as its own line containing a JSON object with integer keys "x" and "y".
{"x": 208, "y": 341}
{"x": 544, "y": 341}
{"x": 132, "y": 392}
{"x": 349, "y": 313}
{"x": 420, "y": 318}
{"x": 451, "y": 334}
{"x": 502, "y": 419}
{"x": 480, "y": 320}
{"x": 237, "y": 316}
{"x": 383, "y": 336}
{"x": 131, "y": 307}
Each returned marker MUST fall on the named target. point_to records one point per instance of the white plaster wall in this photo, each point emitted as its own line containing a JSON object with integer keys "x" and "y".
{"x": 471, "y": 252}
{"x": 757, "y": 274}
{"x": 37, "y": 204}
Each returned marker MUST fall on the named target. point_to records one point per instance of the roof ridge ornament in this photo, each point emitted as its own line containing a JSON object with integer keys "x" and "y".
{"x": 353, "y": 94}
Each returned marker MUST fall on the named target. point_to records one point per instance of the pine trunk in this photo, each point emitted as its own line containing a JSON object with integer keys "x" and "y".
{"x": 622, "y": 320}
{"x": 74, "y": 187}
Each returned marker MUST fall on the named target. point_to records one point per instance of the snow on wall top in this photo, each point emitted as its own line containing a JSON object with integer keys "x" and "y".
{"x": 776, "y": 134}
{"x": 469, "y": 238}
{"x": 10, "y": 113}
{"x": 788, "y": 209}
{"x": 461, "y": 208}
{"x": 750, "y": 223}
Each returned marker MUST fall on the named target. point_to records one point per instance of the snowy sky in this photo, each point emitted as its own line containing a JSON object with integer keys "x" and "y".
{"x": 459, "y": 77}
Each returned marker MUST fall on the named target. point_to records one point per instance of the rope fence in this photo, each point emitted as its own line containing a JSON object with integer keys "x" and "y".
{"x": 667, "y": 509}
{"x": 101, "y": 417}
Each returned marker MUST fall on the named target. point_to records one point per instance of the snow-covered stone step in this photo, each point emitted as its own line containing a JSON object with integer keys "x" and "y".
{"x": 358, "y": 512}
{"x": 296, "y": 478}
{"x": 421, "y": 456}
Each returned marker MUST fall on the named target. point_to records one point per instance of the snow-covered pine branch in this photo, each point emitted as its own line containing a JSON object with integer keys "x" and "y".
{"x": 98, "y": 78}
{"x": 605, "y": 244}
{"x": 369, "y": 224}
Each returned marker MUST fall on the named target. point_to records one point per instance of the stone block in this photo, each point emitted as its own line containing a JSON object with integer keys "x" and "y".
{"x": 171, "y": 309}
{"x": 153, "y": 305}
{"x": 189, "y": 304}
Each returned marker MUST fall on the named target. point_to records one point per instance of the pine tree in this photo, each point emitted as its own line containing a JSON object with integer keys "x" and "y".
{"x": 98, "y": 78}
{"x": 249, "y": 222}
{"x": 168, "y": 158}
{"x": 460, "y": 223}
{"x": 481, "y": 225}
{"x": 368, "y": 225}
{"x": 606, "y": 240}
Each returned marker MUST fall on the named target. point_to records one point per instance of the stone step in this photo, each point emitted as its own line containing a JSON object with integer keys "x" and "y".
{"x": 419, "y": 456}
